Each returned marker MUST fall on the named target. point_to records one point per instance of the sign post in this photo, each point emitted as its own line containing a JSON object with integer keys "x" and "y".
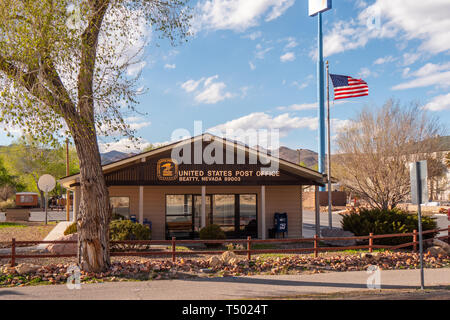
{"x": 46, "y": 183}
{"x": 419, "y": 195}
{"x": 316, "y": 7}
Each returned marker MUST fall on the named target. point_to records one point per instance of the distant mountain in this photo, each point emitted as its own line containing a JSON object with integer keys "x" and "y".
{"x": 308, "y": 157}
{"x": 113, "y": 156}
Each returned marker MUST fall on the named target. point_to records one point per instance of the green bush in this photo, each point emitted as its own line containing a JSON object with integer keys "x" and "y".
{"x": 379, "y": 221}
{"x": 121, "y": 230}
{"x": 71, "y": 229}
{"x": 212, "y": 232}
{"x": 116, "y": 216}
{"x": 128, "y": 230}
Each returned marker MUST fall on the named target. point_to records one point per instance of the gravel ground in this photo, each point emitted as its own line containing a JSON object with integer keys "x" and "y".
{"x": 32, "y": 231}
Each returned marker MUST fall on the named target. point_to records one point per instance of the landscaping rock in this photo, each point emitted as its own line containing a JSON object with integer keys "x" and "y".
{"x": 25, "y": 268}
{"x": 214, "y": 261}
{"x": 442, "y": 244}
{"x": 206, "y": 270}
{"x": 337, "y": 233}
{"x": 435, "y": 251}
{"x": 64, "y": 248}
{"x": 367, "y": 256}
{"x": 227, "y": 256}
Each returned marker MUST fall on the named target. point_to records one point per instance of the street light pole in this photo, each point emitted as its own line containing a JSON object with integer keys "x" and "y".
{"x": 330, "y": 201}
{"x": 320, "y": 99}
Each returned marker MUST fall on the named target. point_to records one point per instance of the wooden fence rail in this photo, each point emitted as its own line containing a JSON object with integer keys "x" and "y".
{"x": 248, "y": 251}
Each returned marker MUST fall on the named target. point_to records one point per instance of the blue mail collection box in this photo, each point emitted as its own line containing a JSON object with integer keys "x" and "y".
{"x": 280, "y": 222}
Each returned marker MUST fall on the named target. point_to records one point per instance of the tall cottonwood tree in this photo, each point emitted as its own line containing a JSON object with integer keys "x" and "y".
{"x": 65, "y": 69}
{"x": 375, "y": 148}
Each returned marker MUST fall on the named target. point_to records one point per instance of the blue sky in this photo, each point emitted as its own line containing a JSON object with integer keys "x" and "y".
{"x": 251, "y": 64}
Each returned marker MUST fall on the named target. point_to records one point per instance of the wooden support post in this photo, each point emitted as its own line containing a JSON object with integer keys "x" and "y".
{"x": 13, "y": 252}
{"x": 173, "y": 249}
{"x": 316, "y": 246}
{"x": 448, "y": 235}
{"x": 415, "y": 240}
{"x": 317, "y": 210}
{"x": 371, "y": 242}
{"x": 249, "y": 248}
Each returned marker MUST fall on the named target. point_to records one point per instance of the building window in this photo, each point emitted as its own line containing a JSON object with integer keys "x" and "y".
{"x": 248, "y": 225}
{"x": 236, "y": 214}
{"x": 120, "y": 206}
{"x": 26, "y": 199}
{"x": 224, "y": 211}
{"x": 179, "y": 216}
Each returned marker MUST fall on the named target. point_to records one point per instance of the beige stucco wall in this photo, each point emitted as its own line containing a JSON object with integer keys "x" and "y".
{"x": 278, "y": 199}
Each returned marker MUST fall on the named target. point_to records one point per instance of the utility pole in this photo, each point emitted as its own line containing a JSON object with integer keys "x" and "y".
{"x": 67, "y": 173}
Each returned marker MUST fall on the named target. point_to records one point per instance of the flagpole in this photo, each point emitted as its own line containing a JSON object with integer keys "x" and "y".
{"x": 330, "y": 203}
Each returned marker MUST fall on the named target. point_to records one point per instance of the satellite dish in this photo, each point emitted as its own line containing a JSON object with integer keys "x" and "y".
{"x": 46, "y": 183}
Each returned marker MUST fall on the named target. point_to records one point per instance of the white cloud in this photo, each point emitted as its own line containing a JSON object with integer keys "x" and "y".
{"x": 366, "y": 73}
{"x": 384, "y": 60}
{"x": 300, "y": 85}
{"x": 254, "y": 35}
{"x": 237, "y": 15}
{"x": 299, "y": 107}
{"x": 191, "y": 85}
{"x": 309, "y": 106}
{"x": 285, "y": 123}
{"x": 427, "y": 21}
{"x": 289, "y": 56}
{"x": 429, "y": 75}
{"x": 291, "y": 43}
{"x": 211, "y": 92}
{"x": 410, "y": 58}
{"x": 134, "y": 69}
{"x": 261, "y": 53}
{"x": 261, "y": 120}
{"x": 170, "y": 66}
{"x": 439, "y": 103}
{"x": 252, "y": 66}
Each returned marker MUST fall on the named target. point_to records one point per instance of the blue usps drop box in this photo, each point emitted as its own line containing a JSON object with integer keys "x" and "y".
{"x": 280, "y": 222}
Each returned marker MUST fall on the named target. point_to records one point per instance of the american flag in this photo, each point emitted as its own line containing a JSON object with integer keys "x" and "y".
{"x": 347, "y": 87}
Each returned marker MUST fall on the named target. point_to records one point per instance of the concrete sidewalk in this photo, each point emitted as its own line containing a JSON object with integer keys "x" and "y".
{"x": 231, "y": 287}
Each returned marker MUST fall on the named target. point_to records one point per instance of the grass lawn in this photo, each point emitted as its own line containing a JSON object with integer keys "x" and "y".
{"x": 11, "y": 225}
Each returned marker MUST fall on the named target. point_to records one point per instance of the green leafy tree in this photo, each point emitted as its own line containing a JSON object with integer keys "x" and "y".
{"x": 29, "y": 160}
{"x": 64, "y": 68}
{"x": 9, "y": 183}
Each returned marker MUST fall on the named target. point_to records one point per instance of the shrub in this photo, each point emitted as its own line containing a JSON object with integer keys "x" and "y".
{"x": 379, "y": 221}
{"x": 128, "y": 230}
{"x": 116, "y": 216}
{"x": 121, "y": 230}
{"x": 71, "y": 229}
{"x": 10, "y": 203}
{"x": 212, "y": 232}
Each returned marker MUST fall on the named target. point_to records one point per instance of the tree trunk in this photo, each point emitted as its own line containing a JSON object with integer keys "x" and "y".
{"x": 95, "y": 212}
